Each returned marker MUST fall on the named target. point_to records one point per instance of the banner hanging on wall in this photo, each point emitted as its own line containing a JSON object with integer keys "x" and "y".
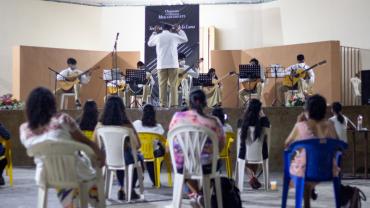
{"x": 187, "y": 16}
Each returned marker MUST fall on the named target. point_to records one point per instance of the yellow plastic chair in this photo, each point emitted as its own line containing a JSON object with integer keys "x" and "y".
{"x": 89, "y": 134}
{"x": 8, "y": 155}
{"x": 147, "y": 141}
{"x": 225, "y": 153}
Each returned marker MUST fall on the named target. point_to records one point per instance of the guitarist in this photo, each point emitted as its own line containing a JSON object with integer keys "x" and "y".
{"x": 213, "y": 93}
{"x": 69, "y": 74}
{"x": 302, "y": 85}
{"x": 246, "y": 92}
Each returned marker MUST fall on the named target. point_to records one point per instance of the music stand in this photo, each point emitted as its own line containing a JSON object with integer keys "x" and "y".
{"x": 203, "y": 80}
{"x": 275, "y": 71}
{"x": 134, "y": 77}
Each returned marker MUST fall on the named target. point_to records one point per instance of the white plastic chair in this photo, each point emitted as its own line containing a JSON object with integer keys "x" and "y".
{"x": 59, "y": 170}
{"x": 253, "y": 156}
{"x": 64, "y": 100}
{"x": 113, "y": 139}
{"x": 191, "y": 139}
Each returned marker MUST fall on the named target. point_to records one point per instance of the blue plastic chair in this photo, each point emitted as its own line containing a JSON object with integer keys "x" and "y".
{"x": 319, "y": 166}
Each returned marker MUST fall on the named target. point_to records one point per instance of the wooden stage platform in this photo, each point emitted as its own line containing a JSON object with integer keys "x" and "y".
{"x": 282, "y": 120}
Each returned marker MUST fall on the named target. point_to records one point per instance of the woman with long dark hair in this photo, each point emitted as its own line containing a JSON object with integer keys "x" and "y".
{"x": 44, "y": 123}
{"x": 254, "y": 127}
{"x": 196, "y": 116}
{"x": 220, "y": 114}
{"x": 114, "y": 114}
{"x": 149, "y": 124}
{"x": 339, "y": 120}
{"x": 89, "y": 118}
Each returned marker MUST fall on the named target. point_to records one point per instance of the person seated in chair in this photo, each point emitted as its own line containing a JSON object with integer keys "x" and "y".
{"x": 114, "y": 114}
{"x": 4, "y": 134}
{"x": 43, "y": 124}
{"x": 310, "y": 124}
{"x": 254, "y": 117}
{"x": 89, "y": 118}
{"x": 219, "y": 113}
{"x": 148, "y": 124}
{"x": 196, "y": 116}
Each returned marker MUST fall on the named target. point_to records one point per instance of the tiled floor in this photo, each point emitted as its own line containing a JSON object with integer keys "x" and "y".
{"x": 24, "y": 194}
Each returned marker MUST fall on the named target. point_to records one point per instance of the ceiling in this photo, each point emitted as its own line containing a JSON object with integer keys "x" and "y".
{"x": 110, "y": 3}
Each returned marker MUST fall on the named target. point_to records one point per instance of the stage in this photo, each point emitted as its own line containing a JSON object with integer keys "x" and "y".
{"x": 282, "y": 121}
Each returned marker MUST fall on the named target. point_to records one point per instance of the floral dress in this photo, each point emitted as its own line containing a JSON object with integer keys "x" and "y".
{"x": 59, "y": 128}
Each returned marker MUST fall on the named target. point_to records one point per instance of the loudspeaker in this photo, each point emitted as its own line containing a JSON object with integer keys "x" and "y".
{"x": 365, "y": 87}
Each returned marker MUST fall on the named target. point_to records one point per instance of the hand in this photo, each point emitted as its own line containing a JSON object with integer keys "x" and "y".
{"x": 100, "y": 156}
{"x": 157, "y": 28}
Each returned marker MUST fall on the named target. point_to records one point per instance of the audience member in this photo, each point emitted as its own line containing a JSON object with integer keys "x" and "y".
{"x": 311, "y": 124}
{"x": 114, "y": 114}
{"x": 219, "y": 113}
{"x": 148, "y": 124}
{"x": 89, "y": 118}
{"x": 195, "y": 116}
{"x": 254, "y": 127}
{"x": 45, "y": 124}
{"x": 4, "y": 134}
{"x": 339, "y": 120}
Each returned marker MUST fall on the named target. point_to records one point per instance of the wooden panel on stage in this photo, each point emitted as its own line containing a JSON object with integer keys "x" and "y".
{"x": 30, "y": 69}
{"x": 328, "y": 76}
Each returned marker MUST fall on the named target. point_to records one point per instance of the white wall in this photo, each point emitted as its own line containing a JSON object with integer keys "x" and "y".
{"x": 41, "y": 23}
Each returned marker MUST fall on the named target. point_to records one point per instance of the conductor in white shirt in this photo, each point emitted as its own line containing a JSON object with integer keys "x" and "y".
{"x": 166, "y": 44}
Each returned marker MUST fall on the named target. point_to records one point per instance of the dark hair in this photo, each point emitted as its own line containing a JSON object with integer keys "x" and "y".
{"x": 114, "y": 112}
{"x": 254, "y": 60}
{"x": 71, "y": 61}
{"x": 198, "y": 101}
{"x": 316, "y": 107}
{"x": 40, "y": 107}
{"x": 181, "y": 56}
{"x": 167, "y": 26}
{"x": 252, "y": 118}
{"x": 337, "y": 108}
{"x": 219, "y": 113}
{"x": 139, "y": 64}
{"x": 212, "y": 70}
{"x": 148, "y": 118}
{"x": 89, "y": 117}
{"x": 300, "y": 57}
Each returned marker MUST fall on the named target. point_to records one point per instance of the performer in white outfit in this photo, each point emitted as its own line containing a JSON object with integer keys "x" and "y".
{"x": 186, "y": 75}
{"x": 166, "y": 44}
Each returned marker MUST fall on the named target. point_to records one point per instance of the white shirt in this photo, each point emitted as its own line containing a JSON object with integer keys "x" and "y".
{"x": 69, "y": 72}
{"x": 227, "y": 128}
{"x": 138, "y": 125}
{"x": 166, "y": 47}
{"x": 301, "y": 66}
{"x": 262, "y": 74}
{"x": 191, "y": 72}
{"x": 356, "y": 84}
{"x": 340, "y": 128}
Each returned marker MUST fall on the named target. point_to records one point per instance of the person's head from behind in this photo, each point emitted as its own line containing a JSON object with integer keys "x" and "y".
{"x": 140, "y": 65}
{"x": 71, "y": 62}
{"x": 253, "y": 109}
{"x": 251, "y": 118}
{"x": 315, "y": 107}
{"x": 114, "y": 112}
{"x": 40, "y": 107}
{"x": 149, "y": 118}
{"x": 181, "y": 58}
{"x": 219, "y": 113}
{"x": 300, "y": 58}
{"x": 254, "y": 61}
{"x": 166, "y": 26}
{"x": 90, "y": 115}
{"x": 198, "y": 101}
{"x": 212, "y": 72}
{"x": 336, "y": 109}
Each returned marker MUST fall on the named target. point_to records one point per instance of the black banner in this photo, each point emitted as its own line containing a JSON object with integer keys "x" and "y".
{"x": 187, "y": 16}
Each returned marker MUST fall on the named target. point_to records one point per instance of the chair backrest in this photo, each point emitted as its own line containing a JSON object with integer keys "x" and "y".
{"x": 59, "y": 162}
{"x": 230, "y": 138}
{"x": 319, "y": 157}
{"x": 190, "y": 140}
{"x": 147, "y": 143}
{"x": 113, "y": 139}
{"x": 254, "y": 149}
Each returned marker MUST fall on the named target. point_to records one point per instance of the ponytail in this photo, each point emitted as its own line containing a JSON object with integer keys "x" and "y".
{"x": 337, "y": 108}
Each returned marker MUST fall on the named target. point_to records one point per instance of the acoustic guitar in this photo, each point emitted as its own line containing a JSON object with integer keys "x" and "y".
{"x": 70, "y": 81}
{"x": 292, "y": 79}
{"x": 218, "y": 81}
{"x": 196, "y": 64}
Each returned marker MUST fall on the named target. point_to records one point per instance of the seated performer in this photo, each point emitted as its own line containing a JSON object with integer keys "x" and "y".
{"x": 250, "y": 86}
{"x": 146, "y": 87}
{"x": 213, "y": 93}
{"x": 303, "y": 85}
{"x": 70, "y": 81}
{"x": 186, "y": 74}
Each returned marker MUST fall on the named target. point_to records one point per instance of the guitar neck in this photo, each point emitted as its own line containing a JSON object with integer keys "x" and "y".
{"x": 222, "y": 78}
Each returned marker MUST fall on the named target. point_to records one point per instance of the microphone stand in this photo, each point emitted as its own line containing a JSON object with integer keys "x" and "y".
{"x": 114, "y": 61}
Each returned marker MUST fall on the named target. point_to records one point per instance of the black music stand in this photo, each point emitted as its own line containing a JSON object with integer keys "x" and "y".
{"x": 203, "y": 80}
{"x": 134, "y": 77}
{"x": 250, "y": 72}
{"x": 275, "y": 72}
